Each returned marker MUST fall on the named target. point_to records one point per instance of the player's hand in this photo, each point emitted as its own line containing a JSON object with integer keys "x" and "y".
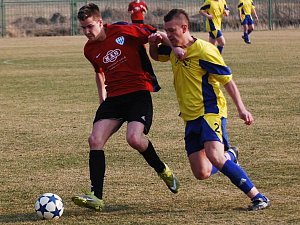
{"x": 180, "y": 53}
{"x": 247, "y": 117}
{"x": 155, "y": 39}
{"x": 210, "y": 17}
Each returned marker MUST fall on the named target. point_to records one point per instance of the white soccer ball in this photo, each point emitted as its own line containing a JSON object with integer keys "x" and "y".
{"x": 49, "y": 206}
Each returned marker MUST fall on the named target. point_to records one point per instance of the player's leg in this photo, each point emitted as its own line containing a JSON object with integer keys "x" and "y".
{"x": 101, "y": 132}
{"x": 250, "y": 28}
{"x": 214, "y": 137}
{"x": 196, "y": 133}
{"x": 220, "y": 40}
{"x": 236, "y": 174}
{"x": 137, "y": 140}
{"x": 216, "y": 38}
{"x": 139, "y": 118}
{"x": 245, "y": 35}
{"x": 103, "y": 128}
{"x": 201, "y": 167}
{"x": 221, "y": 43}
{"x": 246, "y": 23}
{"x": 212, "y": 38}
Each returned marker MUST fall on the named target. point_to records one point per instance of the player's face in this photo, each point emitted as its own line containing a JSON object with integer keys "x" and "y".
{"x": 92, "y": 27}
{"x": 175, "y": 31}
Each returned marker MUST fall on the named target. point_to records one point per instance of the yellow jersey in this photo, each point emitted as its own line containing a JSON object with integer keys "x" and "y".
{"x": 197, "y": 79}
{"x": 216, "y": 8}
{"x": 246, "y": 7}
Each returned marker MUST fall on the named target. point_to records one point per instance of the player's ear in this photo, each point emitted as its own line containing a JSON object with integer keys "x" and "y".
{"x": 100, "y": 21}
{"x": 184, "y": 28}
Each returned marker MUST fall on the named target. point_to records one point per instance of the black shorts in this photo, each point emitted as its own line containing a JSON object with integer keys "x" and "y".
{"x": 136, "y": 106}
{"x": 138, "y": 21}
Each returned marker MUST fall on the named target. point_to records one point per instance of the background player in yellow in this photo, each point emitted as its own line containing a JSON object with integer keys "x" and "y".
{"x": 246, "y": 9}
{"x": 197, "y": 79}
{"x": 214, "y": 10}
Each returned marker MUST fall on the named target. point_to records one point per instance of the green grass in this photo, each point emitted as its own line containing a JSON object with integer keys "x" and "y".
{"x": 47, "y": 102}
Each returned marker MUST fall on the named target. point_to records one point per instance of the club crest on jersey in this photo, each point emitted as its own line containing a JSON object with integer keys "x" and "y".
{"x": 111, "y": 55}
{"x": 120, "y": 40}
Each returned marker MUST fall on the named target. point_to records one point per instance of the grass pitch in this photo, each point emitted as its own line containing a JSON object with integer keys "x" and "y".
{"x": 47, "y": 103}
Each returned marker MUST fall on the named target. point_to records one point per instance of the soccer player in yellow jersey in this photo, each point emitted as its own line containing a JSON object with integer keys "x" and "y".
{"x": 246, "y": 9}
{"x": 197, "y": 78}
{"x": 214, "y": 10}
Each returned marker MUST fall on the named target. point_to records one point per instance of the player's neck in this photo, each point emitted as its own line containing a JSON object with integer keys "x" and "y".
{"x": 102, "y": 35}
{"x": 188, "y": 41}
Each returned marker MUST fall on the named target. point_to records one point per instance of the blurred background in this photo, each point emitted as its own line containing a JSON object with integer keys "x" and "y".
{"x": 28, "y": 18}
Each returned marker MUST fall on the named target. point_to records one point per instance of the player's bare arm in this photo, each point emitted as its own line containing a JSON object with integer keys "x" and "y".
{"x": 144, "y": 9}
{"x": 234, "y": 93}
{"x": 226, "y": 12}
{"x": 161, "y": 37}
{"x": 204, "y": 13}
{"x": 255, "y": 14}
{"x": 100, "y": 79}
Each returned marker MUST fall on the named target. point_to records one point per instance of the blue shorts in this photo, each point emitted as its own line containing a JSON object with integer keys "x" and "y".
{"x": 210, "y": 127}
{"x": 248, "y": 20}
{"x": 215, "y": 34}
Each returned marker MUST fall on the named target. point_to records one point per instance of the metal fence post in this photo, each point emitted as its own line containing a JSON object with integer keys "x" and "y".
{"x": 204, "y": 20}
{"x": 270, "y": 15}
{"x": 73, "y": 9}
{"x": 3, "y": 23}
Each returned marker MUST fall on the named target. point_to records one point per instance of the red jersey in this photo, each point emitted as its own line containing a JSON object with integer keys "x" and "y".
{"x": 123, "y": 59}
{"x": 138, "y": 10}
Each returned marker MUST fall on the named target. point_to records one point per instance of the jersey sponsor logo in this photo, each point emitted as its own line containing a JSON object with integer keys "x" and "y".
{"x": 120, "y": 40}
{"x": 111, "y": 56}
{"x": 185, "y": 62}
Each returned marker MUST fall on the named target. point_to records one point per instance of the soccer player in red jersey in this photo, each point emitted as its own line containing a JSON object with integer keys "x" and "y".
{"x": 124, "y": 79}
{"x": 137, "y": 9}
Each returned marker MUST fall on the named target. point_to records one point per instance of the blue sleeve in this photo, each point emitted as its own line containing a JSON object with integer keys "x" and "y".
{"x": 215, "y": 68}
{"x": 164, "y": 50}
{"x": 205, "y": 7}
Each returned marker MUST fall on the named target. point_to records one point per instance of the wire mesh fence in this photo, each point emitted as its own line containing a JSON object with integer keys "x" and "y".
{"x": 23, "y": 18}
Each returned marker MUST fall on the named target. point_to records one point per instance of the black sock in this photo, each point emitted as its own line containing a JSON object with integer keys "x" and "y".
{"x": 97, "y": 171}
{"x": 152, "y": 159}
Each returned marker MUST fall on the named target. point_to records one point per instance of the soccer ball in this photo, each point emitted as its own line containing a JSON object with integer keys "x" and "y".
{"x": 49, "y": 206}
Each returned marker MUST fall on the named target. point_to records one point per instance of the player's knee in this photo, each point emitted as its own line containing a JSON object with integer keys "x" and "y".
{"x": 134, "y": 141}
{"x": 94, "y": 142}
{"x": 221, "y": 42}
{"x": 202, "y": 175}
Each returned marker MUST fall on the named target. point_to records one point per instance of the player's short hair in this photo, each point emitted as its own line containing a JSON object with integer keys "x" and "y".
{"x": 88, "y": 10}
{"x": 178, "y": 14}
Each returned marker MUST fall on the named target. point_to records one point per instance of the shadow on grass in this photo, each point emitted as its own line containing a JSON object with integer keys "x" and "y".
{"x": 114, "y": 209}
{"x": 108, "y": 209}
{"x": 241, "y": 209}
{"x": 120, "y": 210}
{"x": 19, "y": 217}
